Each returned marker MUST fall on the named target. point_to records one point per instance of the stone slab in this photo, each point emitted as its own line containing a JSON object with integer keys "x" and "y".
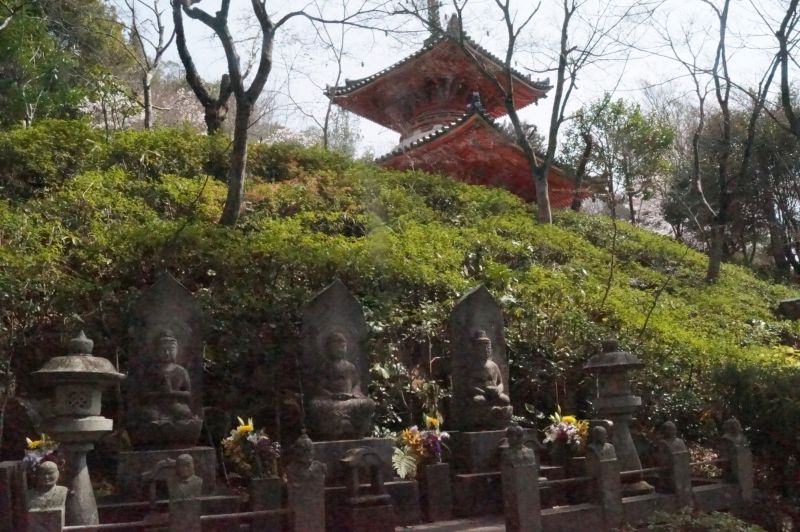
{"x": 131, "y": 465}
{"x": 789, "y": 308}
{"x": 12, "y": 496}
{"x": 367, "y": 519}
{"x": 330, "y": 452}
{"x": 437, "y": 493}
{"x": 575, "y": 518}
{"x": 405, "y": 499}
{"x": 478, "y": 452}
{"x": 45, "y": 520}
{"x": 477, "y": 494}
{"x": 714, "y": 497}
{"x": 125, "y": 512}
{"x": 521, "y": 497}
{"x": 640, "y": 508}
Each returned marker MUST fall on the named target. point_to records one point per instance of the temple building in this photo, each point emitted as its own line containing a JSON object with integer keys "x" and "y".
{"x": 444, "y": 108}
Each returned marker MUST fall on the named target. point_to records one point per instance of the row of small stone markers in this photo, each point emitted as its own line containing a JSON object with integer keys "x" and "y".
{"x": 343, "y": 480}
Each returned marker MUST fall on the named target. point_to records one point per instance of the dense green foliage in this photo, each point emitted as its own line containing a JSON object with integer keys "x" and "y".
{"x": 700, "y": 522}
{"x": 408, "y": 245}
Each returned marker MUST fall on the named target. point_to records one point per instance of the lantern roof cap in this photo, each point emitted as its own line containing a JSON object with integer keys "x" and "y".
{"x": 78, "y": 366}
{"x": 612, "y": 359}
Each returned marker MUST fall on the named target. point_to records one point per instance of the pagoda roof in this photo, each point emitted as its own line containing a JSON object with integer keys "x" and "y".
{"x": 475, "y": 150}
{"x": 396, "y": 95}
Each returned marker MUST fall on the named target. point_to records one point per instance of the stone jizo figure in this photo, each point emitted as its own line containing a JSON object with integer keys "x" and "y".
{"x": 303, "y": 468}
{"x": 490, "y": 404}
{"x": 598, "y": 444}
{"x": 340, "y": 409}
{"x": 182, "y": 483}
{"x": 47, "y": 495}
{"x": 517, "y": 453}
{"x": 732, "y": 433}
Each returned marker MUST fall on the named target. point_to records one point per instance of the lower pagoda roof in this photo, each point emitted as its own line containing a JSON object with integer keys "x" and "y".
{"x": 473, "y": 149}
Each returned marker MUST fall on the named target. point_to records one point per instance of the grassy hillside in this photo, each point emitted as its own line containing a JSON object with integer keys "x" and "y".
{"x": 78, "y": 245}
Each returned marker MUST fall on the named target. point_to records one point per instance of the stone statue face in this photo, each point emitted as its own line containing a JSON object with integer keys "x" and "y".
{"x": 670, "y": 430}
{"x": 515, "y": 436}
{"x": 46, "y": 476}
{"x": 732, "y": 427}
{"x": 599, "y": 435}
{"x": 167, "y": 349}
{"x": 337, "y": 346}
{"x": 483, "y": 346}
{"x": 184, "y": 466}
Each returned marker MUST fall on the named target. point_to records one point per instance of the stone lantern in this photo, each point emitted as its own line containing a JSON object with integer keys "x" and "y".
{"x": 615, "y": 402}
{"x": 77, "y": 381}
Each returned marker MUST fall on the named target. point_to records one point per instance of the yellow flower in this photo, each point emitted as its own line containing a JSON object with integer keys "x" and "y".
{"x": 243, "y": 427}
{"x": 431, "y": 422}
{"x": 569, "y": 419}
{"x": 34, "y": 444}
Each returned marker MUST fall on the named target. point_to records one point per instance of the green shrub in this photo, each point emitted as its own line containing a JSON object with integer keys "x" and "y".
{"x": 700, "y": 522}
{"x": 35, "y": 159}
{"x": 148, "y": 154}
{"x": 281, "y": 161}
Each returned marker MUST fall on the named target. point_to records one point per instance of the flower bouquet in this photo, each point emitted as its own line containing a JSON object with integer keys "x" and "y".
{"x": 44, "y": 449}
{"x": 418, "y": 447}
{"x": 251, "y": 453}
{"x": 566, "y": 431}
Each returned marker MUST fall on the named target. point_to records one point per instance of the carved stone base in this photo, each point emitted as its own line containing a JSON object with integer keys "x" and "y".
{"x": 330, "y": 452}
{"x": 405, "y": 502}
{"x": 131, "y": 465}
{"x": 478, "y": 452}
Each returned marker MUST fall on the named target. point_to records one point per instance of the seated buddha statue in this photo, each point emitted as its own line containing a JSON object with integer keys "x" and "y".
{"x": 488, "y": 405}
{"x": 339, "y": 409}
{"x": 163, "y": 414}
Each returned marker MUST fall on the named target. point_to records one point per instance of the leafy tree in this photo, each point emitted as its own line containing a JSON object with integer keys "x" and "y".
{"x": 52, "y": 53}
{"x": 629, "y": 148}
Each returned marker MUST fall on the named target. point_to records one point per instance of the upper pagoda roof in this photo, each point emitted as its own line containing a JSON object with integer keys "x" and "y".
{"x": 474, "y": 149}
{"x": 438, "y": 79}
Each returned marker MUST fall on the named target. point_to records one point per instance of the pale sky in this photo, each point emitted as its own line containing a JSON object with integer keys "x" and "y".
{"x": 303, "y": 68}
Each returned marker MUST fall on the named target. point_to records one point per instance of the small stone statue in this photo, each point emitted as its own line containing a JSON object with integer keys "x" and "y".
{"x": 165, "y": 412}
{"x": 670, "y": 440}
{"x": 491, "y": 407}
{"x": 340, "y": 409}
{"x": 47, "y": 495}
{"x": 306, "y": 486}
{"x": 517, "y": 453}
{"x": 598, "y": 444}
{"x": 732, "y": 433}
{"x": 303, "y": 468}
{"x": 182, "y": 483}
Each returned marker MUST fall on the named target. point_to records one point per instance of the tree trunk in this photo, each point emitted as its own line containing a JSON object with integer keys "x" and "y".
{"x": 777, "y": 240}
{"x": 236, "y": 174}
{"x": 214, "y": 117}
{"x": 543, "y": 213}
{"x": 716, "y": 251}
{"x": 631, "y": 208}
{"x": 147, "y": 80}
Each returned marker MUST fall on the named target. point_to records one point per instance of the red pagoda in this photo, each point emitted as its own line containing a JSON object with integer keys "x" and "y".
{"x": 444, "y": 108}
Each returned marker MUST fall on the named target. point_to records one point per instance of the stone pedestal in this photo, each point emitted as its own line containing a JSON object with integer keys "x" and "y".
{"x": 436, "y": 493}
{"x": 673, "y": 455}
{"x": 45, "y": 521}
{"x": 330, "y": 452}
{"x": 12, "y": 496}
{"x": 404, "y": 493}
{"x": 521, "y": 498}
{"x": 81, "y": 508}
{"x": 266, "y": 494}
{"x": 132, "y": 464}
{"x": 184, "y": 515}
{"x": 735, "y": 448}
{"x": 477, "y": 485}
{"x": 602, "y": 464}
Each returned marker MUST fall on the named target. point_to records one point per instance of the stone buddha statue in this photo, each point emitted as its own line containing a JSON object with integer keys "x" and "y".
{"x": 164, "y": 415}
{"x": 47, "y": 495}
{"x": 489, "y": 407}
{"x": 303, "y": 468}
{"x": 184, "y": 484}
{"x": 339, "y": 409}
